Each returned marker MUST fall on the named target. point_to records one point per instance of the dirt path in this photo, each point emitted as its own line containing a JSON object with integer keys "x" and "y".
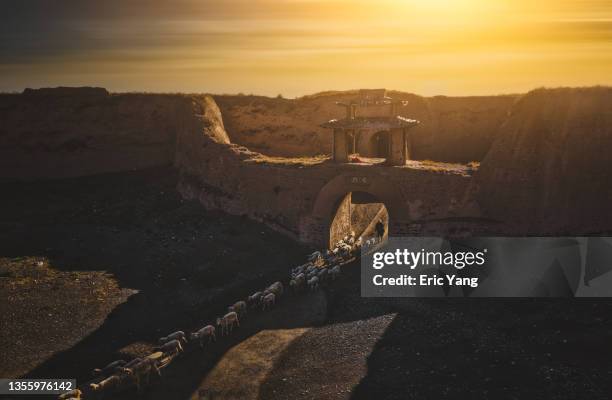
{"x": 241, "y": 371}
{"x": 244, "y": 367}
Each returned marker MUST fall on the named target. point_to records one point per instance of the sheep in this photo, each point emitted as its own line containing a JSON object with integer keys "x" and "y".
{"x": 73, "y": 394}
{"x": 345, "y": 250}
{"x": 171, "y": 348}
{"x": 310, "y": 269}
{"x": 333, "y": 261}
{"x": 322, "y": 274}
{"x": 126, "y": 370}
{"x": 313, "y": 283}
{"x": 335, "y": 272}
{"x": 254, "y": 299}
{"x": 141, "y": 372}
{"x": 268, "y": 301}
{"x": 207, "y": 332}
{"x": 314, "y": 256}
{"x": 327, "y": 257}
{"x": 227, "y": 322}
{"x": 306, "y": 264}
{"x": 276, "y": 288}
{"x": 293, "y": 285}
{"x": 300, "y": 272}
{"x": 133, "y": 362}
{"x": 299, "y": 269}
{"x": 277, "y": 285}
{"x": 178, "y": 335}
{"x": 107, "y": 385}
{"x": 240, "y": 307}
{"x": 297, "y": 282}
{"x": 109, "y": 369}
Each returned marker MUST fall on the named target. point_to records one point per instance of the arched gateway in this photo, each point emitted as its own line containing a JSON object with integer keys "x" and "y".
{"x": 374, "y": 112}
{"x": 365, "y": 188}
{"x": 301, "y": 199}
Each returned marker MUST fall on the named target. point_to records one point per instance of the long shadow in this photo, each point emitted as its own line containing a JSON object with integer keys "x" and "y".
{"x": 488, "y": 348}
{"x": 187, "y": 264}
{"x": 483, "y": 349}
{"x": 432, "y": 348}
{"x": 126, "y": 325}
{"x": 455, "y": 348}
{"x": 186, "y": 374}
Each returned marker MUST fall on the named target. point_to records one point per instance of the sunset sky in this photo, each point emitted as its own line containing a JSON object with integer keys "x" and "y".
{"x": 296, "y": 47}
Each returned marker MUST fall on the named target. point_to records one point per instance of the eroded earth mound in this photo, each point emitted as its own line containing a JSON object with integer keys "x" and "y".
{"x": 549, "y": 169}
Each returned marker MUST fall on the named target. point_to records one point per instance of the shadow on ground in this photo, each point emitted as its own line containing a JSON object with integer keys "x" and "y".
{"x": 188, "y": 264}
{"x": 448, "y": 348}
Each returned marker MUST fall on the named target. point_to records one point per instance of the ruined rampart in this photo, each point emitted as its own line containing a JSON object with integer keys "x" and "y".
{"x": 547, "y": 171}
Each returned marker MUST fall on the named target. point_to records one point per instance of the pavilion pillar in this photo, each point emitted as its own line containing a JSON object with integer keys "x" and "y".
{"x": 340, "y": 146}
{"x": 398, "y": 149}
{"x": 409, "y": 150}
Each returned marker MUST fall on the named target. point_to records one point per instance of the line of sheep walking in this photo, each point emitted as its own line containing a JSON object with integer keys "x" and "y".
{"x": 321, "y": 268}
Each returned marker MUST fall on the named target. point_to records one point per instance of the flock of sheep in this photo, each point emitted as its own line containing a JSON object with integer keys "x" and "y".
{"x": 320, "y": 268}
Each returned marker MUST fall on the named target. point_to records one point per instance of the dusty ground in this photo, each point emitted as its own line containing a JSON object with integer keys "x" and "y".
{"x": 72, "y": 251}
{"x": 451, "y": 349}
{"x": 43, "y": 310}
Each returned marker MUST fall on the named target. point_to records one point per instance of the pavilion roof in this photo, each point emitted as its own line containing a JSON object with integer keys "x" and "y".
{"x": 379, "y": 123}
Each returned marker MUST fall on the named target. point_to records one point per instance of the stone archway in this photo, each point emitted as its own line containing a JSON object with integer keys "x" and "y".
{"x": 315, "y": 228}
{"x": 359, "y": 213}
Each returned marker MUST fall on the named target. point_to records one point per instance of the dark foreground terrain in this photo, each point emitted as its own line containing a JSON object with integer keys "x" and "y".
{"x": 450, "y": 349}
{"x": 93, "y": 269}
{"x": 96, "y": 268}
